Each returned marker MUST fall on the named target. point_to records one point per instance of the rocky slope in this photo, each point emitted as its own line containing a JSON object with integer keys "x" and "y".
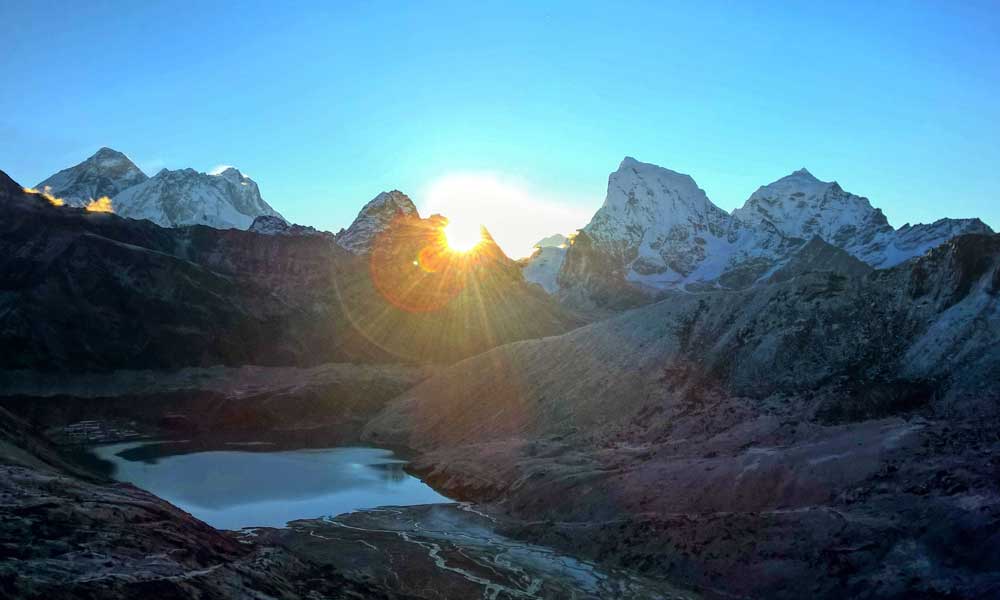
{"x": 829, "y": 433}
{"x": 93, "y": 290}
{"x": 658, "y": 231}
{"x": 105, "y": 173}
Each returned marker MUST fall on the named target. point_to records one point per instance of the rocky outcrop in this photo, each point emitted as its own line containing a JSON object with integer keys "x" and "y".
{"x": 820, "y": 435}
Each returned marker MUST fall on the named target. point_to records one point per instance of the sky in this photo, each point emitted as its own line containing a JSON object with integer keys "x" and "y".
{"x": 515, "y": 113}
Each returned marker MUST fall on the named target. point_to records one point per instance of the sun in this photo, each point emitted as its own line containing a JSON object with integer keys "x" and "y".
{"x": 462, "y": 236}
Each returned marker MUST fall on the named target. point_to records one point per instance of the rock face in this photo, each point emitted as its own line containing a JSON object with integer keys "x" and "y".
{"x": 97, "y": 291}
{"x": 376, "y": 216}
{"x": 823, "y": 434}
{"x": 106, "y": 173}
{"x": 273, "y": 225}
{"x": 228, "y": 200}
{"x": 657, "y": 230}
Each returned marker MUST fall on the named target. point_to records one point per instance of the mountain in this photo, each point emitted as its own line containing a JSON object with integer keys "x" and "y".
{"x": 374, "y": 218}
{"x": 553, "y": 241}
{"x": 97, "y": 291}
{"x": 105, "y": 173}
{"x": 543, "y": 266}
{"x": 801, "y": 206}
{"x": 828, "y": 434}
{"x": 657, "y": 230}
{"x": 227, "y": 200}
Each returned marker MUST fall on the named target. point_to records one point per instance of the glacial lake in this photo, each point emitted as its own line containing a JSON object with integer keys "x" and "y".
{"x": 248, "y": 485}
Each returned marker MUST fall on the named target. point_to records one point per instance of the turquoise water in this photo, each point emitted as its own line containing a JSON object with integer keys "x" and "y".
{"x": 235, "y": 488}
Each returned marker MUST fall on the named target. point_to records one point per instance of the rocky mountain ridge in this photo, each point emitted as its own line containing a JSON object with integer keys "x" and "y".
{"x": 657, "y": 230}
{"x": 224, "y": 200}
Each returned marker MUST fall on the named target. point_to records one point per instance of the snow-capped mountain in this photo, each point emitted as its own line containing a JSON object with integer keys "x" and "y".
{"x": 227, "y": 200}
{"x": 373, "y": 219}
{"x": 544, "y": 265}
{"x": 658, "y": 230}
{"x": 801, "y": 206}
{"x": 654, "y": 220}
{"x": 554, "y": 240}
{"x": 106, "y": 173}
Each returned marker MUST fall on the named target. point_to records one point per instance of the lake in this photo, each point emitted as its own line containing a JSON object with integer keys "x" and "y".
{"x": 247, "y": 485}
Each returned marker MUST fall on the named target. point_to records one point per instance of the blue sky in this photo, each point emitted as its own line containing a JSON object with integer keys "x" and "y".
{"x": 325, "y": 105}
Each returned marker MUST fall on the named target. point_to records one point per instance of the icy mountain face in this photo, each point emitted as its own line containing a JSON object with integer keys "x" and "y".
{"x": 656, "y": 221}
{"x": 106, "y": 173}
{"x": 657, "y": 231}
{"x": 374, "y": 218}
{"x": 553, "y": 241}
{"x": 801, "y": 206}
{"x": 910, "y": 241}
{"x": 544, "y": 265}
{"x": 228, "y": 200}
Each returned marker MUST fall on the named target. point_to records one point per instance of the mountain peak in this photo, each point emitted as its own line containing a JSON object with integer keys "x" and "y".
{"x": 106, "y": 173}
{"x": 105, "y": 152}
{"x": 393, "y": 198}
{"x": 375, "y": 217}
{"x": 804, "y": 173}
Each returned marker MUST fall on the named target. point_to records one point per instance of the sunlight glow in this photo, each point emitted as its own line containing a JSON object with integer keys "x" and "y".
{"x": 47, "y": 194}
{"x": 102, "y": 204}
{"x": 516, "y": 213}
{"x": 462, "y": 236}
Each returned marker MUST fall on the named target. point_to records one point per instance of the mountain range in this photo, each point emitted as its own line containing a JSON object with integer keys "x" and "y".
{"x": 226, "y": 199}
{"x": 657, "y": 230}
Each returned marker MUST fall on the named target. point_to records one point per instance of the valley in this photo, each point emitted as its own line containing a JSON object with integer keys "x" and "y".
{"x": 794, "y": 399}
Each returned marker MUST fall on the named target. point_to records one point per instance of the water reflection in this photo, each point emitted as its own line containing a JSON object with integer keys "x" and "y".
{"x": 244, "y": 487}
